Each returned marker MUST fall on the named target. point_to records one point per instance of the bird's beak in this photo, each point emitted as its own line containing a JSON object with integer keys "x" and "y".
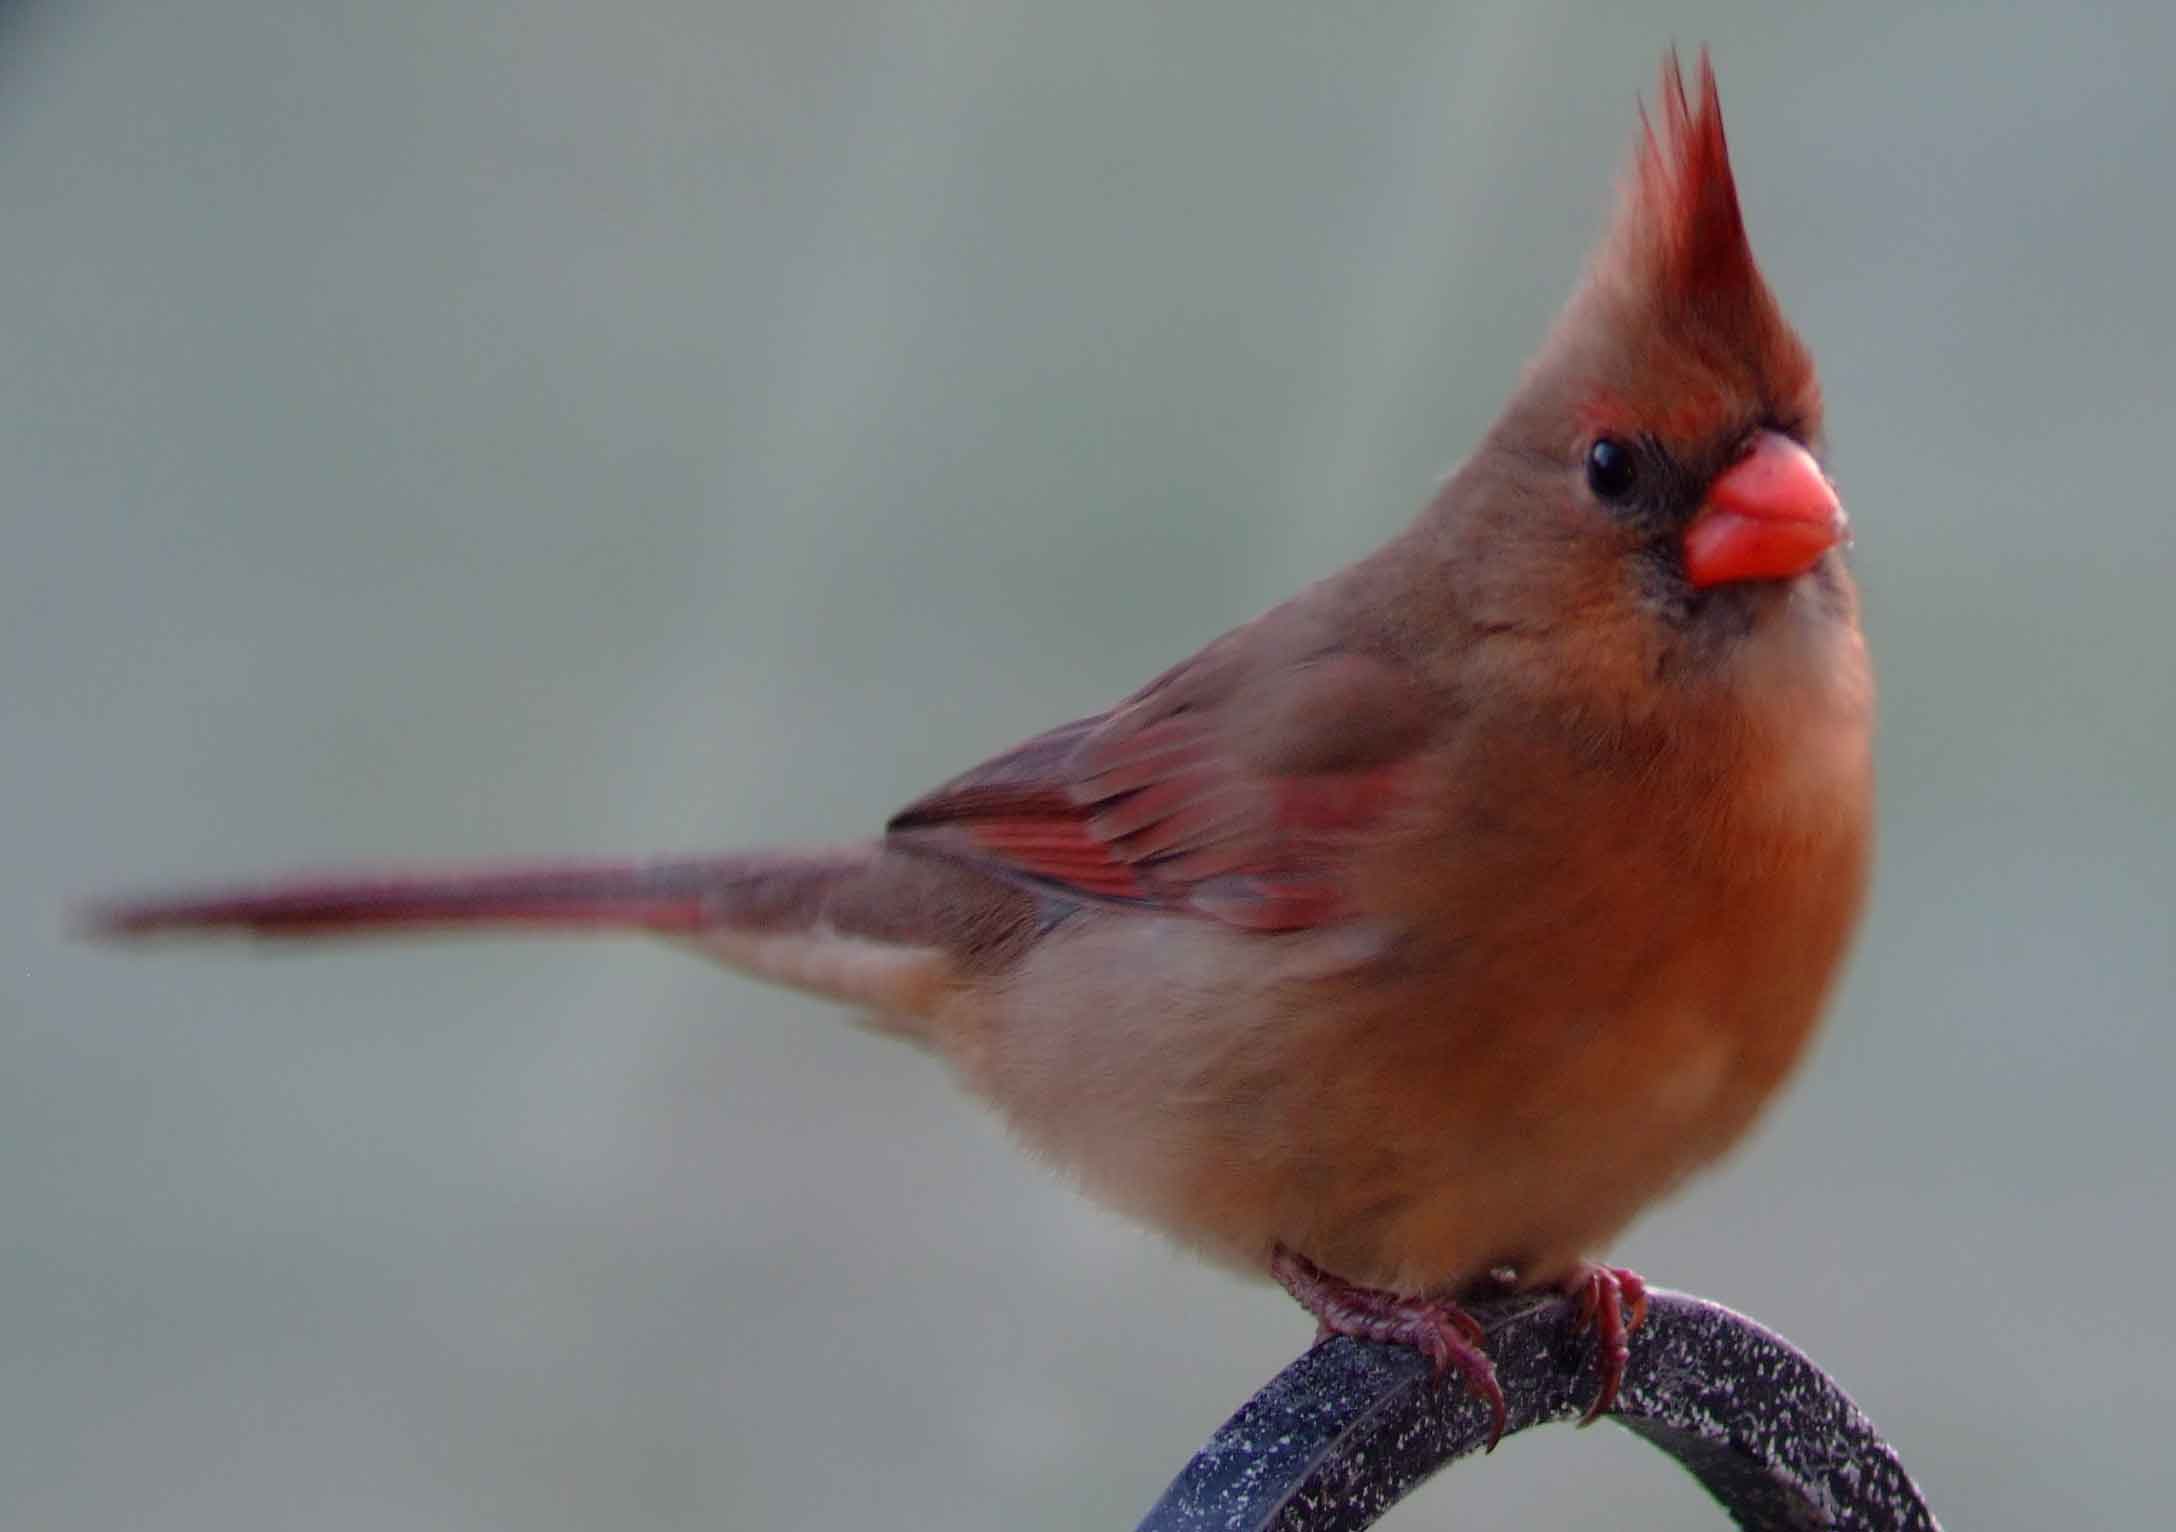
{"x": 1769, "y": 516}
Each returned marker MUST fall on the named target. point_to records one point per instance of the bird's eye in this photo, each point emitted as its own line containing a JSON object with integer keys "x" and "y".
{"x": 1612, "y": 469}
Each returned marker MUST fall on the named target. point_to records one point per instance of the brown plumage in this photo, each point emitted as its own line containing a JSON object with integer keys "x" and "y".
{"x": 1435, "y": 922}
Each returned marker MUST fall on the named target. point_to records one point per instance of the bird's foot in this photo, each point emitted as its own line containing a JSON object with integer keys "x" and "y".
{"x": 1603, "y": 1294}
{"x": 1435, "y": 1327}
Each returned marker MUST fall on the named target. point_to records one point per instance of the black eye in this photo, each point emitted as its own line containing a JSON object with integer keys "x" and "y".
{"x": 1611, "y": 468}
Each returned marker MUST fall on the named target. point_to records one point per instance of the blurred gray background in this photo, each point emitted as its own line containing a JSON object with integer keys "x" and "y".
{"x": 439, "y": 430}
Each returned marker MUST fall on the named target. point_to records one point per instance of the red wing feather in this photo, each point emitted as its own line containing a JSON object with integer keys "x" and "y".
{"x": 1163, "y": 804}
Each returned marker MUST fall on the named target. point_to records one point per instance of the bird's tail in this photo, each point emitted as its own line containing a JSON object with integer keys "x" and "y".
{"x": 797, "y": 918}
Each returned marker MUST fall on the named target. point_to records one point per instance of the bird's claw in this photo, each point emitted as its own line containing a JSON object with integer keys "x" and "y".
{"x": 1603, "y": 1294}
{"x": 1449, "y": 1337}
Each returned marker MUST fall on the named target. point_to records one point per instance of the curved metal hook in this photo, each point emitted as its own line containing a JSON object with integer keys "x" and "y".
{"x": 1349, "y": 1429}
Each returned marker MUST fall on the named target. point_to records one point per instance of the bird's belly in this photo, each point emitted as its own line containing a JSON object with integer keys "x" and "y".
{"x": 1407, "y": 1128}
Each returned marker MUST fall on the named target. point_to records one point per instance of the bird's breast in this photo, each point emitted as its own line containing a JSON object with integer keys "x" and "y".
{"x": 1570, "y": 986}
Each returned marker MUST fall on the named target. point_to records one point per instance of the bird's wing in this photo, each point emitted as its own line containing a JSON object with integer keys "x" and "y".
{"x": 1225, "y": 790}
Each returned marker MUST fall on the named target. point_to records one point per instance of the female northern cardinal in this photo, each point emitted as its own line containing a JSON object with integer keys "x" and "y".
{"x": 1413, "y": 937}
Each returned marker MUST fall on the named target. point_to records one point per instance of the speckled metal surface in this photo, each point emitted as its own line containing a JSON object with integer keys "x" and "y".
{"x": 1347, "y": 1430}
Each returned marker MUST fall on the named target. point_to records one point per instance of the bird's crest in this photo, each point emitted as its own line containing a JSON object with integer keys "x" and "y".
{"x": 1677, "y": 268}
{"x": 1678, "y": 229}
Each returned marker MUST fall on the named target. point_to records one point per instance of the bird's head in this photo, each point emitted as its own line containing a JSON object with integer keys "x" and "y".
{"x": 1657, "y": 467}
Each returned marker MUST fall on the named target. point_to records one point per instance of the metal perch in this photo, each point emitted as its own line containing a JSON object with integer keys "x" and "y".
{"x": 1349, "y": 1429}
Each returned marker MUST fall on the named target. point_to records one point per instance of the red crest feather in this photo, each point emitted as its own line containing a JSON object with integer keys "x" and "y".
{"x": 1677, "y": 276}
{"x": 1680, "y": 220}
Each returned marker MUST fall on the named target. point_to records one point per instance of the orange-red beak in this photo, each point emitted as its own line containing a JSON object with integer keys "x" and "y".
{"x": 1770, "y": 516}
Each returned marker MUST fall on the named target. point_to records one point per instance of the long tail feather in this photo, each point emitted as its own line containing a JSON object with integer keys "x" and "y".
{"x": 664, "y": 896}
{"x": 850, "y": 924}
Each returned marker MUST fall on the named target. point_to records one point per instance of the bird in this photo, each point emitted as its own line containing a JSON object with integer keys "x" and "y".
{"x": 1407, "y": 941}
